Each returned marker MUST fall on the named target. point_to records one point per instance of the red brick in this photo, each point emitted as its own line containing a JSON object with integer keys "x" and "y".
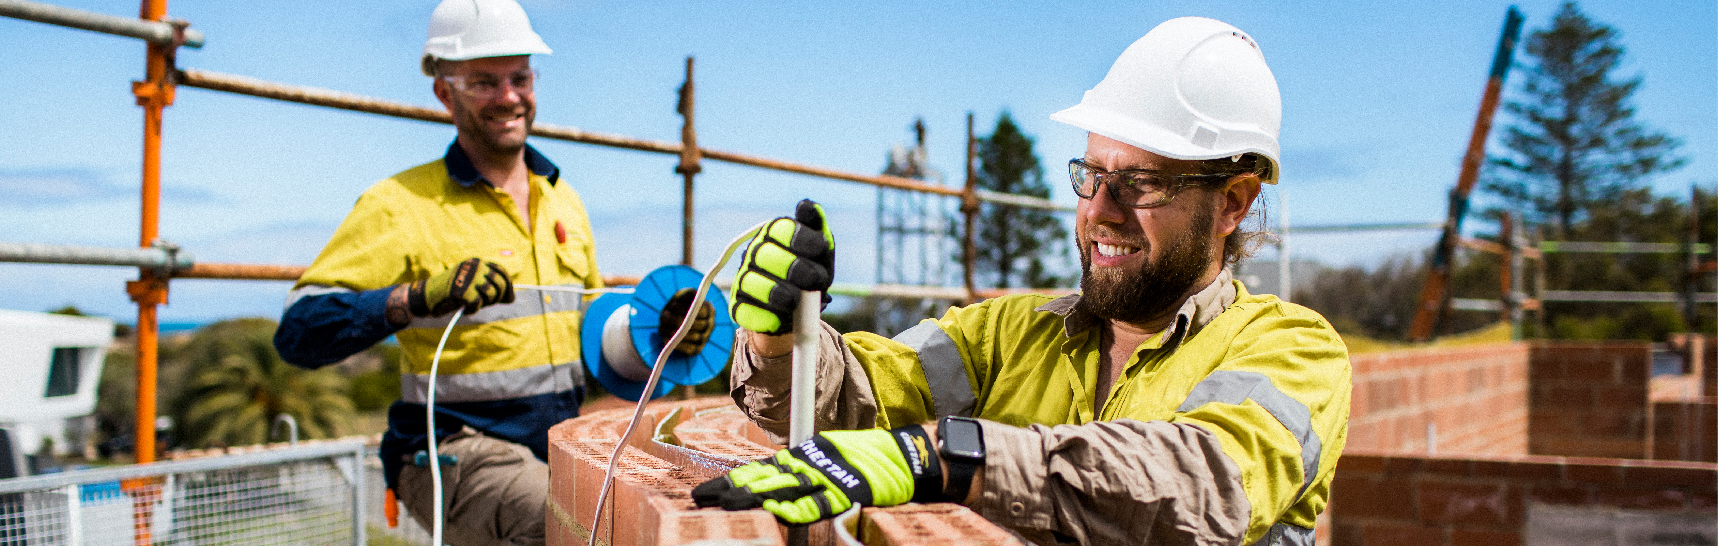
{"x": 1640, "y": 474}
{"x": 1561, "y": 495}
{"x": 1465, "y": 537}
{"x": 1642, "y": 498}
{"x": 1468, "y": 502}
{"x": 1445, "y": 467}
{"x": 1401, "y": 534}
{"x": 1346, "y": 534}
{"x": 1593, "y": 473}
{"x": 1355, "y": 463}
{"x": 1402, "y": 465}
{"x": 1389, "y": 498}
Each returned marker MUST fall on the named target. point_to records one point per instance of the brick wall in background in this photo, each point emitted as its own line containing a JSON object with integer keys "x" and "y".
{"x": 1451, "y": 501}
{"x": 1684, "y": 430}
{"x": 1475, "y": 398}
{"x": 1589, "y": 399}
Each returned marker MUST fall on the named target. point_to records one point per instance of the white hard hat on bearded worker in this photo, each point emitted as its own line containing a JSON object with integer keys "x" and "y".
{"x": 1194, "y": 89}
{"x": 462, "y": 30}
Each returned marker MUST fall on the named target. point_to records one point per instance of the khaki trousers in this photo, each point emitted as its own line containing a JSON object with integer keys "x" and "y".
{"x": 494, "y": 494}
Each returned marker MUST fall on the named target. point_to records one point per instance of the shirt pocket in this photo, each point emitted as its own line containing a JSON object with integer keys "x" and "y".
{"x": 574, "y": 266}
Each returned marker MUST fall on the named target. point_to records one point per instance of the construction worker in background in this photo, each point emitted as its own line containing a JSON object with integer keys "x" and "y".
{"x": 1162, "y": 404}
{"x": 457, "y": 233}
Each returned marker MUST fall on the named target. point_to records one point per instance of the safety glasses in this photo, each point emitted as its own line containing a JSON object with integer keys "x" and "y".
{"x": 1137, "y": 188}
{"x": 488, "y": 86}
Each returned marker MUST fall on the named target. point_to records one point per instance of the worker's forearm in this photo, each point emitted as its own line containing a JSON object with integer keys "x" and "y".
{"x": 769, "y": 346}
{"x": 398, "y": 312}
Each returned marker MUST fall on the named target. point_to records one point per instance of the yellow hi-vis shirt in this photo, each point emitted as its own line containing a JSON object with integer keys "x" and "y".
{"x": 421, "y": 222}
{"x": 1269, "y": 379}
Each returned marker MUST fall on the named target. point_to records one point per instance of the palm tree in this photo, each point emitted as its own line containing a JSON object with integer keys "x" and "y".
{"x": 238, "y": 385}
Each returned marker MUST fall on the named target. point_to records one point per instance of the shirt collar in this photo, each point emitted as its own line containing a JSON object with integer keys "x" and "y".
{"x": 1194, "y": 314}
{"x": 465, "y": 174}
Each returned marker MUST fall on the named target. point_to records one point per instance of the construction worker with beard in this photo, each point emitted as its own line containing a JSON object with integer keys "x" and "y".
{"x": 457, "y": 233}
{"x": 1164, "y": 403}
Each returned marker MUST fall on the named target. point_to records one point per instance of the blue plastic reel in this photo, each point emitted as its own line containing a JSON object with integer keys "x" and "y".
{"x": 647, "y": 302}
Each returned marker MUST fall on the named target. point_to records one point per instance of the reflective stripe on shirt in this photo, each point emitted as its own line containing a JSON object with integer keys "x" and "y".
{"x": 945, "y": 372}
{"x": 312, "y": 290}
{"x": 1284, "y": 534}
{"x": 1235, "y": 387}
{"x": 487, "y": 386}
{"x": 526, "y": 303}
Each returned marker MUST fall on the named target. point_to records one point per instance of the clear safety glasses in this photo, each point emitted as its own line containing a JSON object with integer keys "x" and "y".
{"x": 489, "y": 86}
{"x": 1137, "y": 188}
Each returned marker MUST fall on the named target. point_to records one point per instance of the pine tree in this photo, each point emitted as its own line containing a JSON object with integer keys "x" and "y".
{"x": 1012, "y": 242}
{"x": 1575, "y": 143}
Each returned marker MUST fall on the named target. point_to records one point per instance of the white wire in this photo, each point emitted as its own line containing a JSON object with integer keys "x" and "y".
{"x": 552, "y": 288}
{"x": 638, "y": 411}
{"x": 430, "y": 415}
{"x": 657, "y": 372}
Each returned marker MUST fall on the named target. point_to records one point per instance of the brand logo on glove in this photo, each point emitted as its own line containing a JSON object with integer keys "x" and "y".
{"x": 917, "y": 456}
{"x": 817, "y": 457}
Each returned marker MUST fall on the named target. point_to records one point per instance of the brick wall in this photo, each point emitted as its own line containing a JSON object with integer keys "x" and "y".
{"x": 1589, "y": 399}
{"x": 1475, "y": 398}
{"x": 650, "y": 501}
{"x": 1450, "y": 501}
{"x": 1684, "y": 430}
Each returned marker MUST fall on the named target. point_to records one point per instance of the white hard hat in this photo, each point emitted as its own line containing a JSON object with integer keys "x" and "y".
{"x": 1194, "y": 89}
{"x": 461, "y": 30}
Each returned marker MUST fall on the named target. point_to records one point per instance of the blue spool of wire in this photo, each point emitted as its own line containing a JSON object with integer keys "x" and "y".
{"x": 631, "y": 321}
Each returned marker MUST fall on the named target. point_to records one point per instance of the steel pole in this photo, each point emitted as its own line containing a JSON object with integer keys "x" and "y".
{"x": 970, "y": 214}
{"x": 152, "y": 31}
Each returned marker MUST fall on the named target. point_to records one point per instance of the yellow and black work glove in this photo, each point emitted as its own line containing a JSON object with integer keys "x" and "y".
{"x": 787, "y": 256}
{"x": 823, "y": 476}
{"x": 675, "y": 311}
{"x": 472, "y": 284}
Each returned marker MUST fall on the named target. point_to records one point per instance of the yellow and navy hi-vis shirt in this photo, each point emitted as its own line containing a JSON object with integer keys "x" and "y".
{"x": 509, "y": 370}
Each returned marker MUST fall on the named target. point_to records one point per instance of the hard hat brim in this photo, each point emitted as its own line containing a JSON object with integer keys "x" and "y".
{"x": 1158, "y": 141}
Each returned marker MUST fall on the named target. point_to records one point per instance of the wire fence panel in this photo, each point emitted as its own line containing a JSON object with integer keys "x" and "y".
{"x": 302, "y": 495}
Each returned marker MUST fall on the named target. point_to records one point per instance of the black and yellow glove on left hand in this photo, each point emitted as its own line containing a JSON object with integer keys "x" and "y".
{"x": 824, "y": 476}
{"x": 473, "y": 284}
{"x": 787, "y": 256}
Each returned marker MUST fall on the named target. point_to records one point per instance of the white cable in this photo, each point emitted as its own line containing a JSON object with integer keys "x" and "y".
{"x": 657, "y": 372}
{"x": 430, "y": 415}
{"x": 575, "y": 290}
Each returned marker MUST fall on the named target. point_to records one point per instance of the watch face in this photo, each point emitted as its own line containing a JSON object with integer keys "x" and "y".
{"x": 961, "y": 438}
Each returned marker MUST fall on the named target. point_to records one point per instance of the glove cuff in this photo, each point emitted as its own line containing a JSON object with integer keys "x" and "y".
{"x": 415, "y": 299}
{"x": 921, "y": 454}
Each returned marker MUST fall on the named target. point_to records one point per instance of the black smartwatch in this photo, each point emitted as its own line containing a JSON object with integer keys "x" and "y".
{"x": 961, "y": 445}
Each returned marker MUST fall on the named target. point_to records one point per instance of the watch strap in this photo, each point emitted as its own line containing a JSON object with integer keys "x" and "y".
{"x": 960, "y": 480}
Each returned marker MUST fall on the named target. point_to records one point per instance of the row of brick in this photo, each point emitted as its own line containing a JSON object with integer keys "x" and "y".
{"x": 1403, "y": 499}
{"x": 650, "y": 500}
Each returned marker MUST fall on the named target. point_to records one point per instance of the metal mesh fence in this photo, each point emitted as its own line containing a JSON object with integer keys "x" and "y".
{"x": 302, "y": 495}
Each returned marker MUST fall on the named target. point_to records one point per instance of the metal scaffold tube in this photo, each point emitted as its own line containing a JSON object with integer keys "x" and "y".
{"x": 150, "y": 258}
{"x": 154, "y": 32}
{"x": 242, "y": 85}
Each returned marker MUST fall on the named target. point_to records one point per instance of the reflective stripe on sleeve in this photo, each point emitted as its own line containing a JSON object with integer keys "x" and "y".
{"x": 1284, "y": 534}
{"x": 312, "y": 290}
{"x": 526, "y": 303}
{"x": 1235, "y": 387}
{"x": 486, "y": 386}
{"x": 945, "y": 372}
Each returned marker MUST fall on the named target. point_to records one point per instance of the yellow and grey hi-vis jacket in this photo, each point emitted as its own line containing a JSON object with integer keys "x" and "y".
{"x": 1223, "y": 429}
{"x": 509, "y": 370}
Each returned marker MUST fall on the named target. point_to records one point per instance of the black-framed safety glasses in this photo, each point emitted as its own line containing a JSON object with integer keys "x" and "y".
{"x": 1137, "y": 188}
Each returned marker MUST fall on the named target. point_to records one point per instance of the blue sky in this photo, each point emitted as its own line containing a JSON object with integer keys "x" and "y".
{"x": 1379, "y": 99}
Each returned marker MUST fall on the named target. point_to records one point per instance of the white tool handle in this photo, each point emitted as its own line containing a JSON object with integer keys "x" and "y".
{"x": 802, "y": 392}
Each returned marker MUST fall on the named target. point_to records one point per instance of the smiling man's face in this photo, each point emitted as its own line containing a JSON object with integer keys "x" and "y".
{"x": 494, "y": 123}
{"x": 1139, "y": 264}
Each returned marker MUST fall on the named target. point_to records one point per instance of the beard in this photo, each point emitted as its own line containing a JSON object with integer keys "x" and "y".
{"x": 470, "y": 121}
{"x": 1154, "y": 290}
